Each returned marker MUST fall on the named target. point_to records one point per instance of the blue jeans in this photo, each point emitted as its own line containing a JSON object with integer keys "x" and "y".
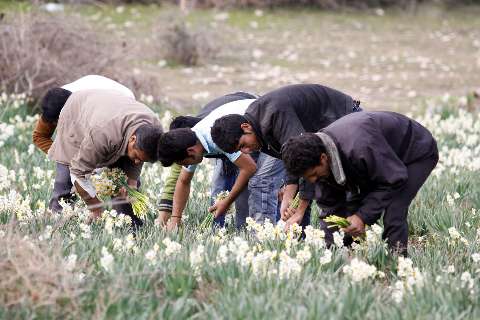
{"x": 260, "y": 200}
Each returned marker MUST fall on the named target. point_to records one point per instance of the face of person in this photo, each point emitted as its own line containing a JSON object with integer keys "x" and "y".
{"x": 248, "y": 142}
{"x": 136, "y": 155}
{"x": 195, "y": 155}
{"x": 320, "y": 171}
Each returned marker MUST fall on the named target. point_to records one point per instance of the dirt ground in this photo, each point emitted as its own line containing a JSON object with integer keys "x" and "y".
{"x": 388, "y": 59}
{"x": 391, "y": 61}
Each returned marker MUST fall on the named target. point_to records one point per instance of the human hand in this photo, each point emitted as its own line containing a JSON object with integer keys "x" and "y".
{"x": 290, "y": 212}
{"x": 174, "y": 223}
{"x": 219, "y": 208}
{"x": 356, "y": 227}
{"x": 162, "y": 218}
{"x": 95, "y": 214}
{"x": 296, "y": 218}
{"x": 123, "y": 193}
{"x": 284, "y": 207}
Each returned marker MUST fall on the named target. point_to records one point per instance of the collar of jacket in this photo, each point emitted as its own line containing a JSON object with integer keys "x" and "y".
{"x": 333, "y": 158}
{"x": 256, "y": 129}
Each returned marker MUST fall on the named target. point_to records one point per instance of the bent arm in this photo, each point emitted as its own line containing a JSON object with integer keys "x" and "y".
{"x": 247, "y": 168}
{"x": 182, "y": 191}
{"x": 42, "y": 134}
{"x": 166, "y": 199}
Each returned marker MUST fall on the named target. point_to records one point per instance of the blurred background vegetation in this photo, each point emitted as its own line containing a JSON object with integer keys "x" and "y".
{"x": 390, "y": 54}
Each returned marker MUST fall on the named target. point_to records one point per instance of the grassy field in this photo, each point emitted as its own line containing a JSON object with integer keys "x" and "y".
{"x": 57, "y": 266}
{"x": 388, "y": 59}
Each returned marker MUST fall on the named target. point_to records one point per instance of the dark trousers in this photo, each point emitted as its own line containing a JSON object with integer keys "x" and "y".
{"x": 395, "y": 215}
{"x": 62, "y": 190}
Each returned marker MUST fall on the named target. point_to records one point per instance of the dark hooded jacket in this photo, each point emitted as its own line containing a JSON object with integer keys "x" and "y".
{"x": 374, "y": 149}
{"x": 292, "y": 110}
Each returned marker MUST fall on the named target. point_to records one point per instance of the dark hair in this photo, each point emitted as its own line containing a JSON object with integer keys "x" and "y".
{"x": 148, "y": 137}
{"x": 184, "y": 122}
{"x": 53, "y": 102}
{"x": 173, "y": 145}
{"x": 226, "y": 132}
{"x": 302, "y": 152}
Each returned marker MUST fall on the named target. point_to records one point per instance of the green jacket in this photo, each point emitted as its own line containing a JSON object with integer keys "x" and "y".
{"x": 166, "y": 200}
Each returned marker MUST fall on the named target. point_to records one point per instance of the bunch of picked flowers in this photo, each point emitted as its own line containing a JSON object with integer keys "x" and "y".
{"x": 208, "y": 221}
{"x": 296, "y": 201}
{"x": 336, "y": 221}
{"x": 109, "y": 183}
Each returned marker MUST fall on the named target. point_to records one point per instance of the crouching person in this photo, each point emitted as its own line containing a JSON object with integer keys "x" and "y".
{"x": 188, "y": 147}
{"x": 96, "y": 129}
{"x": 364, "y": 165}
{"x": 55, "y": 98}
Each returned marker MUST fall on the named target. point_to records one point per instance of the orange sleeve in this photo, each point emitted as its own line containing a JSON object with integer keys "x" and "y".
{"x": 42, "y": 134}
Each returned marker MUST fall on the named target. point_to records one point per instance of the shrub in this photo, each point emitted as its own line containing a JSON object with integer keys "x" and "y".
{"x": 182, "y": 46}
{"x": 38, "y": 51}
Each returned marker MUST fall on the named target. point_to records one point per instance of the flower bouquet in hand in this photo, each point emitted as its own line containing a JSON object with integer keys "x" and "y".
{"x": 295, "y": 202}
{"x": 109, "y": 183}
{"x": 208, "y": 221}
{"x": 336, "y": 221}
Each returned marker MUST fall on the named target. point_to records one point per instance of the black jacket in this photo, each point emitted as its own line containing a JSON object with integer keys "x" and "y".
{"x": 375, "y": 149}
{"x": 292, "y": 110}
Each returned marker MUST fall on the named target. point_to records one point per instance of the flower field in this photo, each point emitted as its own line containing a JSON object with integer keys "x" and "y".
{"x": 58, "y": 266}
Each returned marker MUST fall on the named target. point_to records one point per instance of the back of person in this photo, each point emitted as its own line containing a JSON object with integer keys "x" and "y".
{"x": 89, "y": 108}
{"x": 315, "y": 105}
{"x": 87, "y": 113}
{"x": 220, "y": 101}
{"x": 408, "y": 139}
{"x": 97, "y": 82}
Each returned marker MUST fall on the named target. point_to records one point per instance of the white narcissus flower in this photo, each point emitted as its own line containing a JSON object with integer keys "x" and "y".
{"x": 304, "y": 255}
{"x": 405, "y": 267}
{"x": 107, "y": 260}
{"x": 450, "y": 200}
{"x": 47, "y": 234}
{"x": 171, "y": 247}
{"x": 377, "y": 229}
{"x": 86, "y": 232}
{"x": 409, "y": 275}
{"x": 338, "y": 238}
{"x": 129, "y": 242}
{"x": 196, "y": 258}
{"x": 359, "y": 270}
{"x": 454, "y": 234}
{"x": 71, "y": 262}
{"x": 109, "y": 223}
{"x": 476, "y": 257}
{"x": 222, "y": 254}
{"x": 288, "y": 266}
{"x": 80, "y": 277}
{"x": 314, "y": 237}
{"x": 451, "y": 269}
{"x": 117, "y": 244}
{"x": 467, "y": 280}
{"x": 262, "y": 263}
{"x": 151, "y": 256}
{"x": 398, "y": 291}
{"x": 326, "y": 258}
